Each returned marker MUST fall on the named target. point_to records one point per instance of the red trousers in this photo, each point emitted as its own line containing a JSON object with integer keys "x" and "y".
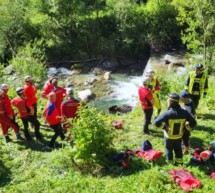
{"x": 6, "y": 123}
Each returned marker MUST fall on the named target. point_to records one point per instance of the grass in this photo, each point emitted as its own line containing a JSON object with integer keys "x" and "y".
{"x": 29, "y": 167}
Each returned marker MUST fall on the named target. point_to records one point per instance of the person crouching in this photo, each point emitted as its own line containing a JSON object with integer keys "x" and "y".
{"x": 51, "y": 115}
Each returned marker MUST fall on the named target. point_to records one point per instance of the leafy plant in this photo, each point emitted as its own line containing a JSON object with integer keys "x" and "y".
{"x": 92, "y": 136}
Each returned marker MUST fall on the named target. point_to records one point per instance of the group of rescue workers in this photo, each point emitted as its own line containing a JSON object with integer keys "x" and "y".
{"x": 177, "y": 121}
{"x": 56, "y": 111}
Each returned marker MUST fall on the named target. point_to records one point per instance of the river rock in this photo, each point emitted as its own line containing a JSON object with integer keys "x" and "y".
{"x": 85, "y": 95}
{"x": 170, "y": 59}
{"x": 90, "y": 81}
{"x": 76, "y": 71}
{"x": 97, "y": 71}
{"x": 107, "y": 75}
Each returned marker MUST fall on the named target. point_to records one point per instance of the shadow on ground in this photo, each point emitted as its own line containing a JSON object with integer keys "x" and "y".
{"x": 4, "y": 174}
{"x": 203, "y": 128}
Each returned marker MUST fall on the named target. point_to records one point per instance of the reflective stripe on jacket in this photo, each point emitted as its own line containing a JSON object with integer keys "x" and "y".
{"x": 201, "y": 80}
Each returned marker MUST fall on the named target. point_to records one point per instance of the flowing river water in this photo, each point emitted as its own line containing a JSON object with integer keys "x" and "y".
{"x": 122, "y": 89}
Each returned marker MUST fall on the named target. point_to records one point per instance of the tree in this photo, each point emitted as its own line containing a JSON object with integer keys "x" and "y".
{"x": 198, "y": 19}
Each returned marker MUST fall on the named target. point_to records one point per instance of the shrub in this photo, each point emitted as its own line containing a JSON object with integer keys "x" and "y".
{"x": 92, "y": 137}
{"x": 29, "y": 60}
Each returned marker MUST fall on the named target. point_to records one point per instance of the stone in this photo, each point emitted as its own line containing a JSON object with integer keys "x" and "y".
{"x": 107, "y": 75}
{"x": 85, "y": 95}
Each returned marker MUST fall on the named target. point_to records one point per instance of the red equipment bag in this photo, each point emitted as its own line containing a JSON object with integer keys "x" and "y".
{"x": 213, "y": 174}
{"x": 149, "y": 154}
{"x": 185, "y": 179}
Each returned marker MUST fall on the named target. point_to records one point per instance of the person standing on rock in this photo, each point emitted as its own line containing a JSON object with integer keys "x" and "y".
{"x": 154, "y": 85}
{"x": 146, "y": 100}
{"x": 173, "y": 121}
{"x": 197, "y": 84}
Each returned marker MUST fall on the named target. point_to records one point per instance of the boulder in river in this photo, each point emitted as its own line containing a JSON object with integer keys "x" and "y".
{"x": 85, "y": 95}
{"x": 107, "y": 75}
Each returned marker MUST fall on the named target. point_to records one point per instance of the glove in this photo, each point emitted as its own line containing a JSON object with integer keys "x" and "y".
{"x": 204, "y": 94}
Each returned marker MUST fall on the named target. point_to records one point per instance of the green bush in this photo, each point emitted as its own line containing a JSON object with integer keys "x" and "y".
{"x": 92, "y": 137}
{"x": 29, "y": 61}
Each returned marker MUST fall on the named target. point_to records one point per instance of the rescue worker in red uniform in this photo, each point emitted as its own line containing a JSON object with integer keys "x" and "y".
{"x": 5, "y": 120}
{"x": 47, "y": 88}
{"x": 69, "y": 108}
{"x": 146, "y": 100}
{"x": 52, "y": 86}
{"x": 30, "y": 91}
{"x": 52, "y": 117}
{"x": 60, "y": 95}
{"x": 26, "y": 113}
{"x": 10, "y": 113}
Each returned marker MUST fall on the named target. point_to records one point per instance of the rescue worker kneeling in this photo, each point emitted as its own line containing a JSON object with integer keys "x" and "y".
{"x": 173, "y": 122}
{"x": 51, "y": 115}
{"x": 26, "y": 113}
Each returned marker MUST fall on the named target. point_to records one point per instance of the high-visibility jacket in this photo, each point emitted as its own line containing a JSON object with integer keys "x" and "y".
{"x": 154, "y": 85}
{"x": 10, "y": 111}
{"x": 51, "y": 114}
{"x": 173, "y": 122}
{"x": 145, "y": 97}
{"x": 22, "y": 105}
{"x": 203, "y": 87}
{"x": 69, "y": 108}
{"x": 30, "y": 91}
{"x": 47, "y": 89}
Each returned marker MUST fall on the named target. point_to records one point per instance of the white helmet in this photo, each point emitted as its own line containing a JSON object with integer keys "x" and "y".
{"x": 28, "y": 78}
{"x": 145, "y": 80}
{"x": 150, "y": 72}
{"x": 5, "y": 87}
{"x": 1, "y": 92}
{"x": 69, "y": 91}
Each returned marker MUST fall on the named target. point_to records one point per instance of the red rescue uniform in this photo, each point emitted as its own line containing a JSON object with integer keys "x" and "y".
{"x": 51, "y": 114}
{"x": 5, "y": 121}
{"x": 30, "y": 92}
{"x": 22, "y": 105}
{"x": 60, "y": 94}
{"x": 10, "y": 111}
{"x": 145, "y": 97}
{"x": 69, "y": 108}
{"x": 47, "y": 89}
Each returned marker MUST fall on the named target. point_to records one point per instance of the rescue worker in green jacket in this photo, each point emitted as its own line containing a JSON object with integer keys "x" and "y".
{"x": 154, "y": 86}
{"x": 173, "y": 122}
{"x": 197, "y": 84}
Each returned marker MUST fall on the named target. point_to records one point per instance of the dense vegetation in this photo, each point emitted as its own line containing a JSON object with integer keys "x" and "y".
{"x": 86, "y": 165}
{"x": 35, "y": 32}
{"x": 82, "y": 29}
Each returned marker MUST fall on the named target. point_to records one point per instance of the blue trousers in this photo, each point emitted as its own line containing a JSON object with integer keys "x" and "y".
{"x": 173, "y": 145}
